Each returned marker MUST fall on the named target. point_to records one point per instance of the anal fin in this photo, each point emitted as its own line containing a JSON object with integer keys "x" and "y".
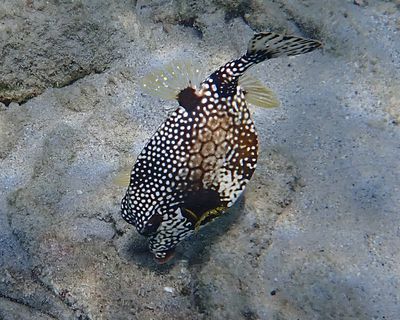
{"x": 257, "y": 93}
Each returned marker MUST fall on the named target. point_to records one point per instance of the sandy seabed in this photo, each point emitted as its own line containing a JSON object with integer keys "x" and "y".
{"x": 317, "y": 233}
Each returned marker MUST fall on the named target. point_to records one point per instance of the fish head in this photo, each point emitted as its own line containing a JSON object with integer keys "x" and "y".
{"x": 169, "y": 234}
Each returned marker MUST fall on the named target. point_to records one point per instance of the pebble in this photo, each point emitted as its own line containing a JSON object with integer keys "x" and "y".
{"x": 169, "y": 289}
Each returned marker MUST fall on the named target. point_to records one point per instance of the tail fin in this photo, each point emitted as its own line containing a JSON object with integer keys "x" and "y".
{"x": 262, "y": 46}
{"x": 268, "y": 45}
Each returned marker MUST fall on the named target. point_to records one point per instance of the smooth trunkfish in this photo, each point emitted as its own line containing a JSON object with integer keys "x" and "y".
{"x": 201, "y": 158}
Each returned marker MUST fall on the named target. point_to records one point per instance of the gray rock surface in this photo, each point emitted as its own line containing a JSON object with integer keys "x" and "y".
{"x": 317, "y": 233}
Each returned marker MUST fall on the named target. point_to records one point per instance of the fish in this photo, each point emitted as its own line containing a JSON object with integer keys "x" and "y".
{"x": 199, "y": 161}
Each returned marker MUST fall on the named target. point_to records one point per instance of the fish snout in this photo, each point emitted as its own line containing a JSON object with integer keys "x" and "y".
{"x": 162, "y": 257}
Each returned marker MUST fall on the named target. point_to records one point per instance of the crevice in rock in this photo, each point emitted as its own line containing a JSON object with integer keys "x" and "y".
{"x": 191, "y": 23}
{"x": 110, "y": 219}
{"x": 237, "y": 11}
{"x": 306, "y": 28}
{"x": 62, "y": 296}
{"x": 72, "y": 80}
{"x": 199, "y": 301}
{"x": 18, "y": 301}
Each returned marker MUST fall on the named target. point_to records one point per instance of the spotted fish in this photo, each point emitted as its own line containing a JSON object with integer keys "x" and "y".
{"x": 202, "y": 157}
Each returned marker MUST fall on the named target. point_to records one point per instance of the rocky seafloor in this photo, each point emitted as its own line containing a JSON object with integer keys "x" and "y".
{"x": 316, "y": 234}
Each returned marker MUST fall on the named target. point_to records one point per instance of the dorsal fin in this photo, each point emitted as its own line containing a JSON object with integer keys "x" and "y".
{"x": 257, "y": 93}
{"x": 166, "y": 82}
{"x": 123, "y": 178}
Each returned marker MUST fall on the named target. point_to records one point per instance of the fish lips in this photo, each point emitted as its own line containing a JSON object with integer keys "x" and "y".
{"x": 169, "y": 254}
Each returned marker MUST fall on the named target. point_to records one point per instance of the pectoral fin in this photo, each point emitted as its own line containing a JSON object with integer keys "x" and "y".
{"x": 199, "y": 220}
{"x": 209, "y": 216}
{"x": 202, "y": 206}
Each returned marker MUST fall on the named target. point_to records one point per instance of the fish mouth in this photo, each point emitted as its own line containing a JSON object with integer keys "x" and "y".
{"x": 164, "y": 256}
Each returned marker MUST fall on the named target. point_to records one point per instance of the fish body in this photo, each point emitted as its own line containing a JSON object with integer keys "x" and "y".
{"x": 201, "y": 158}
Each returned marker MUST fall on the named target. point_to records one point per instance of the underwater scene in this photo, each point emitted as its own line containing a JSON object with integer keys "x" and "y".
{"x": 181, "y": 159}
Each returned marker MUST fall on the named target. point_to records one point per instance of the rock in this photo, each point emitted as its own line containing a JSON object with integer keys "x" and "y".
{"x": 315, "y": 235}
{"x": 54, "y": 43}
{"x": 13, "y": 310}
{"x": 360, "y": 3}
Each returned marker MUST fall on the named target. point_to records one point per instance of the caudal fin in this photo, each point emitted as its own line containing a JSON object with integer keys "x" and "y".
{"x": 268, "y": 45}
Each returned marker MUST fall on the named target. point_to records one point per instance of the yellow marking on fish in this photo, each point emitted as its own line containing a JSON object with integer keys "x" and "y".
{"x": 213, "y": 212}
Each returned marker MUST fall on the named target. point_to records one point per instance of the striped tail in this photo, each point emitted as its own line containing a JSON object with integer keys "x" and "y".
{"x": 268, "y": 45}
{"x": 263, "y": 46}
